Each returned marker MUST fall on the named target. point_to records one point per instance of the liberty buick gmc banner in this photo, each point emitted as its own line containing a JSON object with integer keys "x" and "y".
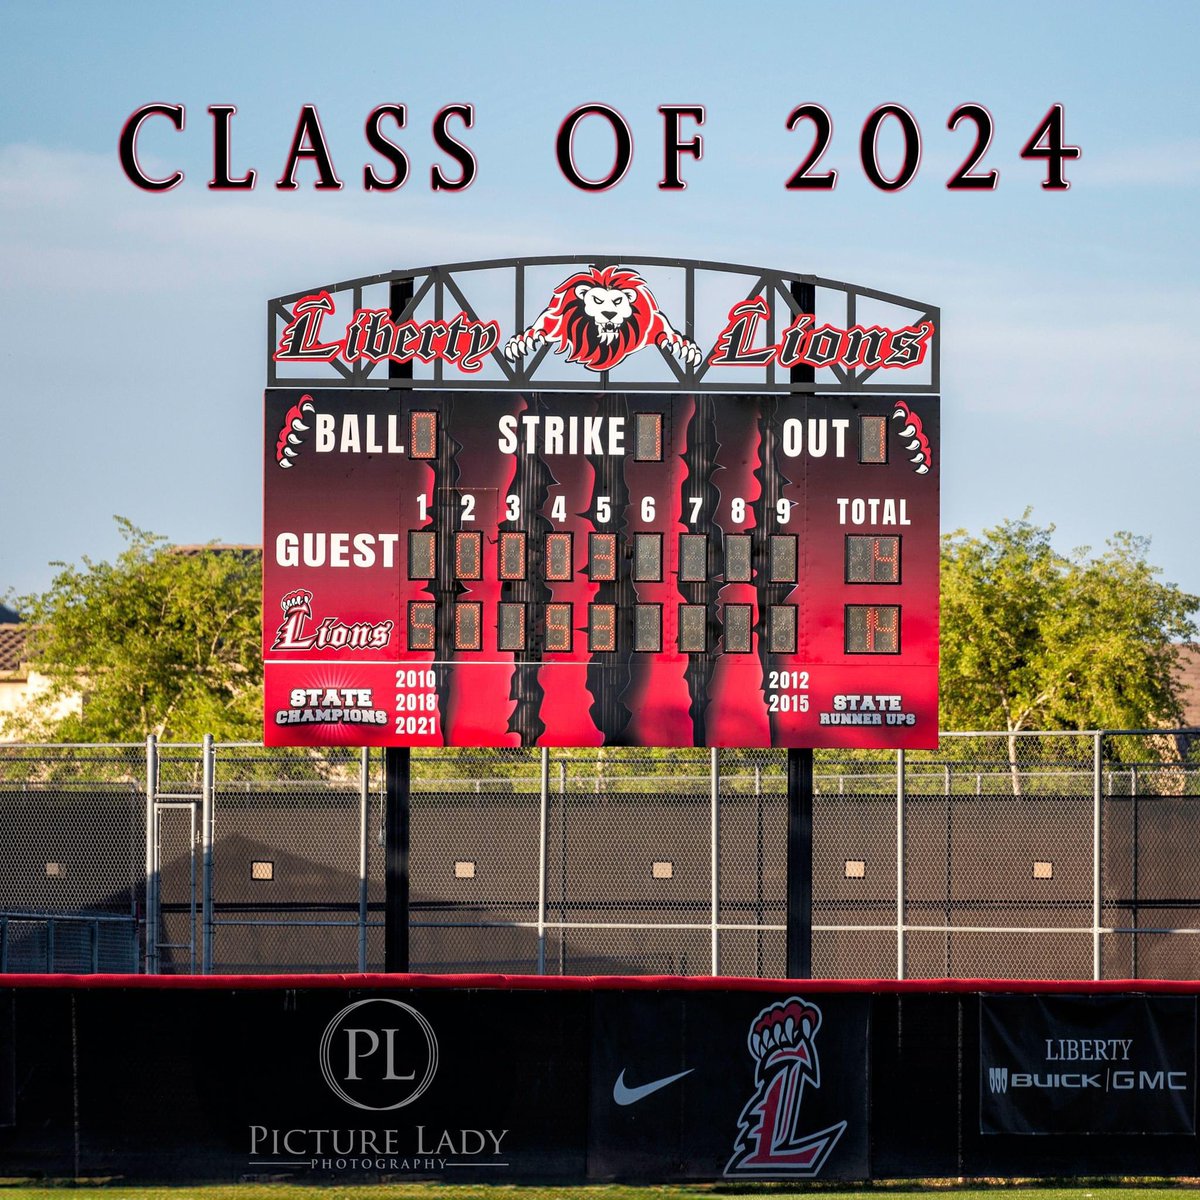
{"x": 1087, "y": 1064}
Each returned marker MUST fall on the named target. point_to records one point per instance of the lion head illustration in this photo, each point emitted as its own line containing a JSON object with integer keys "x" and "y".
{"x": 600, "y": 316}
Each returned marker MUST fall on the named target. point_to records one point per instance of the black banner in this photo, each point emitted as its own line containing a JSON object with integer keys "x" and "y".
{"x": 443, "y": 1083}
{"x": 1087, "y": 1064}
{"x": 741, "y": 1085}
{"x": 304, "y": 1084}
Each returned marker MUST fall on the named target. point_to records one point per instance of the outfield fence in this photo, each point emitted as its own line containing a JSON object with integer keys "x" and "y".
{"x": 1031, "y": 855}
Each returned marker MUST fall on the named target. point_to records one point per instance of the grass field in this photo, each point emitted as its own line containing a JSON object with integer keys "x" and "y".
{"x": 1131, "y": 1190}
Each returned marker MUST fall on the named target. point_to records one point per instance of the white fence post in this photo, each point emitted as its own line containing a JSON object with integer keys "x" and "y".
{"x": 715, "y": 849}
{"x": 364, "y": 820}
{"x": 1097, "y": 791}
{"x": 151, "y": 856}
{"x": 899, "y": 864}
{"x": 207, "y": 789}
{"x": 543, "y": 855}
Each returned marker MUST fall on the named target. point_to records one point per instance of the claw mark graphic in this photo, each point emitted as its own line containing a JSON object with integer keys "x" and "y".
{"x": 289, "y": 436}
{"x": 913, "y": 433}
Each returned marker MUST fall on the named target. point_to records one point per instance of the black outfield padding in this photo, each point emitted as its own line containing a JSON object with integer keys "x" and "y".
{"x": 573, "y": 1081}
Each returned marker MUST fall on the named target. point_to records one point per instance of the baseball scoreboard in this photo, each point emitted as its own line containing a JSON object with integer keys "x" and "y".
{"x": 599, "y": 562}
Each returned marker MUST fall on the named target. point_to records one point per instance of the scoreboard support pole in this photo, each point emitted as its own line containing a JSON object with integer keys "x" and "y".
{"x": 800, "y": 780}
{"x": 396, "y": 768}
{"x": 799, "y": 863}
{"x": 396, "y": 785}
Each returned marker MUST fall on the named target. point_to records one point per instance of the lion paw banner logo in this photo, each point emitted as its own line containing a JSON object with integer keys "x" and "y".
{"x": 771, "y": 1139}
{"x": 601, "y": 316}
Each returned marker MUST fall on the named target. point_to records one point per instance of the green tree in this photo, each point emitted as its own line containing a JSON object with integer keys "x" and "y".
{"x": 159, "y": 641}
{"x": 1034, "y": 639}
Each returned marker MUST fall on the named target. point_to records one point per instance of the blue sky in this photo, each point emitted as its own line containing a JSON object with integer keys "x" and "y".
{"x": 132, "y": 347}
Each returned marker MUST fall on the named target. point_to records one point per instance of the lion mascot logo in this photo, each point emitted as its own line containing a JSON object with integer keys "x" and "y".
{"x": 782, "y": 1041}
{"x": 602, "y": 315}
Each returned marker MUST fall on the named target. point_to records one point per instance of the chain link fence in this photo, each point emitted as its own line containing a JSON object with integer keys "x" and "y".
{"x": 999, "y": 856}
{"x": 72, "y": 857}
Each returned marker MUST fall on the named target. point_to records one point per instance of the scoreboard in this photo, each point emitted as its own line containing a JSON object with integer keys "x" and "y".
{"x": 672, "y": 503}
{"x": 507, "y": 568}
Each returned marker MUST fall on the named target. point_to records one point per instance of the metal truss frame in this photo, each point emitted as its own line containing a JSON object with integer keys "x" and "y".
{"x": 450, "y": 284}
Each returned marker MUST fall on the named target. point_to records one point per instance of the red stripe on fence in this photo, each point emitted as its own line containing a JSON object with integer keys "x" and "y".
{"x": 634, "y": 983}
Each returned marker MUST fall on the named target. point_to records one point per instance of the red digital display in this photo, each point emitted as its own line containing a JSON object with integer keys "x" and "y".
{"x": 583, "y": 569}
{"x": 602, "y": 557}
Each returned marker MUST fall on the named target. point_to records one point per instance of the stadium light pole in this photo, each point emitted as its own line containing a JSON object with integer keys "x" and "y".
{"x": 397, "y": 777}
{"x": 800, "y": 766}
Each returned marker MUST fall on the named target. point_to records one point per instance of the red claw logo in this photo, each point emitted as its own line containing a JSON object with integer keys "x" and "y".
{"x": 782, "y": 1040}
{"x": 299, "y": 601}
{"x": 913, "y": 433}
{"x": 293, "y": 426}
{"x": 602, "y": 315}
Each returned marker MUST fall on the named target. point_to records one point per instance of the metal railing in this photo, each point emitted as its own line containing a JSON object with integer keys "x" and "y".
{"x": 63, "y": 942}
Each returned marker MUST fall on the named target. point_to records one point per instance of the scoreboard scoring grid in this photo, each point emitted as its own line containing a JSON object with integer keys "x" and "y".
{"x": 570, "y": 569}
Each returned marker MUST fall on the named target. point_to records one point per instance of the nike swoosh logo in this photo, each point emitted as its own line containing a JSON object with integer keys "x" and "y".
{"x": 631, "y": 1095}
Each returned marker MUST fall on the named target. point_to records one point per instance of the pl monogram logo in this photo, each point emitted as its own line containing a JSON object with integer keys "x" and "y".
{"x": 378, "y": 1054}
{"x": 782, "y": 1040}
